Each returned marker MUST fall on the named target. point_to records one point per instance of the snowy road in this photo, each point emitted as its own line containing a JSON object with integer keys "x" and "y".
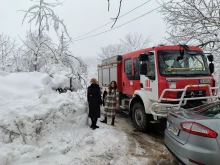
{"x": 145, "y": 148}
{"x": 39, "y": 126}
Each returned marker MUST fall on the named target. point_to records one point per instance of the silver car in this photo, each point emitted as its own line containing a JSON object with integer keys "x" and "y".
{"x": 193, "y": 135}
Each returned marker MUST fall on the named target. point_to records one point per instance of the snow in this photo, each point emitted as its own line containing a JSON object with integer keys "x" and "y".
{"x": 40, "y": 126}
{"x": 60, "y": 81}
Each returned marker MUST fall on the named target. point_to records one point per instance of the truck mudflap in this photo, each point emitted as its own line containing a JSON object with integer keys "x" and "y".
{"x": 161, "y": 109}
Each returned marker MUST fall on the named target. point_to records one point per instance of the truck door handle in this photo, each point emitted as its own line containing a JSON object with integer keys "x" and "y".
{"x": 123, "y": 84}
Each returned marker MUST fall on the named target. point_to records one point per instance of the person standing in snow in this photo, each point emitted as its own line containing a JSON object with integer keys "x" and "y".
{"x": 111, "y": 102}
{"x": 94, "y": 100}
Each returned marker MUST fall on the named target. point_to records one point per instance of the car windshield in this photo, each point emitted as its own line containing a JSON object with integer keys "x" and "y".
{"x": 175, "y": 62}
{"x": 212, "y": 112}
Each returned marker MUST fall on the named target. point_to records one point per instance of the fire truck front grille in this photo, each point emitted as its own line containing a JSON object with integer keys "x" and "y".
{"x": 189, "y": 94}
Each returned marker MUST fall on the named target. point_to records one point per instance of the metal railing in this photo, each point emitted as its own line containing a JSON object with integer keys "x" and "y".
{"x": 161, "y": 109}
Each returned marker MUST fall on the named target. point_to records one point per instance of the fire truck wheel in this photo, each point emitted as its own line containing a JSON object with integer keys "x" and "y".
{"x": 141, "y": 119}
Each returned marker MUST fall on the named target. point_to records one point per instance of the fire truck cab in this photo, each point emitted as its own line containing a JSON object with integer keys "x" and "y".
{"x": 154, "y": 80}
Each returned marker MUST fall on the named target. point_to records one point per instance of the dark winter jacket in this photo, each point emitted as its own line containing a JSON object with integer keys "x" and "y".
{"x": 94, "y": 99}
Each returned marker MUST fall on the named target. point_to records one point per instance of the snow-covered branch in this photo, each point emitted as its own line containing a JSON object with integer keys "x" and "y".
{"x": 43, "y": 13}
{"x": 196, "y": 22}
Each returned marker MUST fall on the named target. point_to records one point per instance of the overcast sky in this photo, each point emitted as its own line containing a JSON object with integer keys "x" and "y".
{"x": 82, "y": 16}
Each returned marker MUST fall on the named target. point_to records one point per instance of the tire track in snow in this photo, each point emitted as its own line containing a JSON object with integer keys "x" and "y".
{"x": 148, "y": 148}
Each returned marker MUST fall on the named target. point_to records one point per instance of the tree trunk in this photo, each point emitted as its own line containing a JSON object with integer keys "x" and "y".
{"x": 71, "y": 80}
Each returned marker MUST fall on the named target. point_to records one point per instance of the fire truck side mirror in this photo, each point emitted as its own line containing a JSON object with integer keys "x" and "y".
{"x": 119, "y": 58}
{"x": 211, "y": 67}
{"x": 143, "y": 68}
{"x": 210, "y": 58}
{"x": 143, "y": 57}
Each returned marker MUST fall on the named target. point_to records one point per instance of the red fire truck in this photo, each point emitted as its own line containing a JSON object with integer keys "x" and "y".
{"x": 154, "y": 80}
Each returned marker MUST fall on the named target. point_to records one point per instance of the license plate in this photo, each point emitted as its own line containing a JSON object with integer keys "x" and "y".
{"x": 174, "y": 130}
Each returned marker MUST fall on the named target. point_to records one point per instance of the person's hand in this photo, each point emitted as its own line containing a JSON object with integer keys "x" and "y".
{"x": 116, "y": 106}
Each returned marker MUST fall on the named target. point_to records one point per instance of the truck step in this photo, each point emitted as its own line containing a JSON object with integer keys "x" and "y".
{"x": 125, "y": 102}
{"x": 126, "y": 112}
{"x": 155, "y": 121}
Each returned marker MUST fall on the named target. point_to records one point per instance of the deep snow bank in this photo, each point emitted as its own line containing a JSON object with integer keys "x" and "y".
{"x": 30, "y": 109}
{"x": 40, "y": 126}
{"x": 23, "y": 86}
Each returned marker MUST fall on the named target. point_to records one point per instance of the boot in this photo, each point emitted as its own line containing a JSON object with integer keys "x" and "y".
{"x": 105, "y": 120}
{"x": 95, "y": 122}
{"x": 113, "y": 121}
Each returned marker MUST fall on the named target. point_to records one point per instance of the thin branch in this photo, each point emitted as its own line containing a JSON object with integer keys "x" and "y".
{"x": 76, "y": 59}
{"x": 26, "y": 44}
{"x": 83, "y": 79}
{"x": 51, "y": 50}
{"x": 206, "y": 43}
{"x": 118, "y": 14}
{"x": 29, "y": 10}
{"x": 9, "y": 130}
{"x": 20, "y": 132}
{"x": 2, "y": 42}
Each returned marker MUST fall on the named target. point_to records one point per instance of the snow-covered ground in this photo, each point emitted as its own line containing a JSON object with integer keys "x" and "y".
{"x": 39, "y": 126}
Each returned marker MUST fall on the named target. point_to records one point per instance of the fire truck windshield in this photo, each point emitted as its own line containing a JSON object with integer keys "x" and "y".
{"x": 175, "y": 62}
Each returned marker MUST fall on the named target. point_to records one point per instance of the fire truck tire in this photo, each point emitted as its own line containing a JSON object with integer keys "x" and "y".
{"x": 141, "y": 119}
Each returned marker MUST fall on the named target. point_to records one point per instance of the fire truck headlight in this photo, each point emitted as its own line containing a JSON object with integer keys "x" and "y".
{"x": 164, "y": 108}
{"x": 158, "y": 108}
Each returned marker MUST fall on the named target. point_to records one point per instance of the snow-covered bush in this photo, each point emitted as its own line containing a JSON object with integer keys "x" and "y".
{"x": 37, "y": 107}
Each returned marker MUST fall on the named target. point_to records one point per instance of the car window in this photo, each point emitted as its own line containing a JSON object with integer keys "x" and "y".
{"x": 213, "y": 112}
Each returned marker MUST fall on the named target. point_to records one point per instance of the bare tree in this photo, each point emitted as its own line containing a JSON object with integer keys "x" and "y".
{"x": 40, "y": 51}
{"x": 193, "y": 22}
{"x": 135, "y": 41}
{"x": 7, "y": 48}
{"x": 39, "y": 43}
{"x": 68, "y": 58}
{"x": 79, "y": 69}
{"x": 63, "y": 45}
{"x": 17, "y": 60}
{"x": 129, "y": 43}
{"x": 43, "y": 14}
{"x": 111, "y": 50}
{"x": 44, "y": 56}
